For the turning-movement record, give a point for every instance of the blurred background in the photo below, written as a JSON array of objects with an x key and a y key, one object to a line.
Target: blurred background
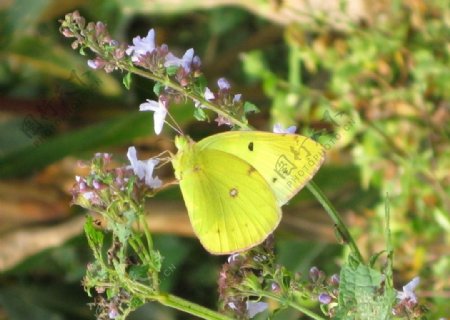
[{"x": 371, "y": 79}]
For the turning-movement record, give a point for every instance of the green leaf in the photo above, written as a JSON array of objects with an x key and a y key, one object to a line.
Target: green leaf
[
  {"x": 172, "y": 70},
  {"x": 127, "y": 80},
  {"x": 157, "y": 88},
  {"x": 373, "y": 259},
  {"x": 95, "y": 237},
  {"x": 250, "y": 107},
  {"x": 362, "y": 296},
  {"x": 200, "y": 114},
  {"x": 138, "y": 272}
]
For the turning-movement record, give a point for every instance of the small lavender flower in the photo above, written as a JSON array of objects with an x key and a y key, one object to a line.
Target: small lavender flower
[
  {"x": 408, "y": 295},
  {"x": 278, "y": 128},
  {"x": 144, "y": 169},
  {"x": 141, "y": 46},
  {"x": 223, "y": 84},
  {"x": 160, "y": 112},
  {"x": 185, "y": 61}
]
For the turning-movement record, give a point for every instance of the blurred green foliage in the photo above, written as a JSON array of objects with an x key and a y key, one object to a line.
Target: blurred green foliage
[{"x": 376, "y": 94}]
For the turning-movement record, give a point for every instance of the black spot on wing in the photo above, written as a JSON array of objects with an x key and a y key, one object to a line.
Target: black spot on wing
[
  {"x": 250, "y": 146},
  {"x": 274, "y": 179}
]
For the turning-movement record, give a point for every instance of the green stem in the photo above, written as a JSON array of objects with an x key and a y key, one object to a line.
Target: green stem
[
  {"x": 189, "y": 307},
  {"x": 289, "y": 302},
  {"x": 334, "y": 215},
  {"x": 172, "y": 301}
]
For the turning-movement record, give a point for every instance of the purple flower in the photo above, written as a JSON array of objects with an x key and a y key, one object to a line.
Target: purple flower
[
  {"x": 160, "y": 112},
  {"x": 142, "y": 46},
  {"x": 278, "y": 128},
  {"x": 184, "y": 62},
  {"x": 408, "y": 295},
  {"x": 144, "y": 169}
]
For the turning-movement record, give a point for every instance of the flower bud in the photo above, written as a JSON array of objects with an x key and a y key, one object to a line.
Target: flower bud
[
  {"x": 314, "y": 274},
  {"x": 324, "y": 298},
  {"x": 334, "y": 280}
]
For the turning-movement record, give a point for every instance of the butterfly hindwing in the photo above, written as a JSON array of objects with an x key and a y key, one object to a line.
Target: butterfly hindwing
[
  {"x": 286, "y": 161},
  {"x": 230, "y": 205}
]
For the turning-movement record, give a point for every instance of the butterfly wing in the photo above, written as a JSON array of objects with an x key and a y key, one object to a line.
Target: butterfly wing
[
  {"x": 230, "y": 205},
  {"x": 286, "y": 161}
]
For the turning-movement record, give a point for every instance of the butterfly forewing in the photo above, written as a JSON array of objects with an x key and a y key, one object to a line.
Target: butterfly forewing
[{"x": 286, "y": 161}]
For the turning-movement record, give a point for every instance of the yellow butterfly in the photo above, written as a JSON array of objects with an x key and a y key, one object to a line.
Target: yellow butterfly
[{"x": 234, "y": 183}]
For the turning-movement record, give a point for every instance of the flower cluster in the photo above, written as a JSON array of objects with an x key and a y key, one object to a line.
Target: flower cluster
[
  {"x": 242, "y": 277},
  {"x": 110, "y": 54},
  {"x": 177, "y": 78},
  {"x": 104, "y": 186},
  {"x": 118, "y": 194},
  {"x": 325, "y": 289},
  {"x": 247, "y": 276}
]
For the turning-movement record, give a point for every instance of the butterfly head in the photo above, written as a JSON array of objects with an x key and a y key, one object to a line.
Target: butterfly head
[{"x": 184, "y": 157}]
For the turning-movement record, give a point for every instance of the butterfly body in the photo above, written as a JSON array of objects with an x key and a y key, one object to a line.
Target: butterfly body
[{"x": 234, "y": 183}]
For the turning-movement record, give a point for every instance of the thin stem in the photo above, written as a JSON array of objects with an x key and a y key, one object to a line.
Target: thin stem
[
  {"x": 289, "y": 302},
  {"x": 334, "y": 215},
  {"x": 189, "y": 307},
  {"x": 172, "y": 301}
]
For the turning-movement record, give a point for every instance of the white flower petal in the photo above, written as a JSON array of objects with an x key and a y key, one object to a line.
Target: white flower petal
[
  {"x": 208, "y": 95},
  {"x": 172, "y": 60},
  {"x": 160, "y": 113},
  {"x": 408, "y": 291},
  {"x": 141, "y": 46},
  {"x": 144, "y": 169},
  {"x": 278, "y": 128},
  {"x": 185, "y": 61},
  {"x": 158, "y": 118},
  {"x": 232, "y": 305},
  {"x": 150, "y": 105},
  {"x": 253, "y": 308},
  {"x": 237, "y": 97},
  {"x": 92, "y": 64},
  {"x": 136, "y": 164}
]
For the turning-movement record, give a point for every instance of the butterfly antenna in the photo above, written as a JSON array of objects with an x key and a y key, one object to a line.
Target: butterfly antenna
[
  {"x": 175, "y": 125},
  {"x": 164, "y": 157}
]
